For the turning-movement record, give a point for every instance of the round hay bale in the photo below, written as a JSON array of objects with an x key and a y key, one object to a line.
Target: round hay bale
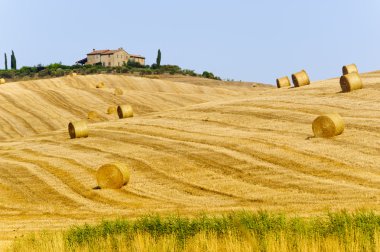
[
  {"x": 100, "y": 85},
  {"x": 300, "y": 79},
  {"x": 350, "y": 82},
  {"x": 283, "y": 82},
  {"x": 78, "y": 129},
  {"x": 352, "y": 68},
  {"x": 119, "y": 91},
  {"x": 124, "y": 111},
  {"x": 113, "y": 176},
  {"x": 112, "y": 110},
  {"x": 328, "y": 125},
  {"x": 92, "y": 115},
  {"x": 73, "y": 74},
  {"x": 2, "y": 81}
]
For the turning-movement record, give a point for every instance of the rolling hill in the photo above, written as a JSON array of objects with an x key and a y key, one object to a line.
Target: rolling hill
[{"x": 191, "y": 147}]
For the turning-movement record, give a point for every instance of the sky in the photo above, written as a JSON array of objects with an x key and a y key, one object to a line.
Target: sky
[{"x": 247, "y": 40}]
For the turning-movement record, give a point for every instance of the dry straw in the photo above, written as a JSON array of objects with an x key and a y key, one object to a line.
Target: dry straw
[
  {"x": 100, "y": 85},
  {"x": 112, "y": 110},
  {"x": 152, "y": 76},
  {"x": 350, "y": 82},
  {"x": 328, "y": 125},
  {"x": 119, "y": 91},
  {"x": 73, "y": 74},
  {"x": 78, "y": 129},
  {"x": 92, "y": 115},
  {"x": 124, "y": 111},
  {"x": 300, "y": 79},
  {"x": 283, "y": 82},
  {"x": 350, "y": 69},
  {"x": 113, "y": 176},
  {"x": 2, "y": 81}
]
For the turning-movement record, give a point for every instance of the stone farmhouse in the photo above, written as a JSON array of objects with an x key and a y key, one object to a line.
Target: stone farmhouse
[{"x": 110, "y": 58}]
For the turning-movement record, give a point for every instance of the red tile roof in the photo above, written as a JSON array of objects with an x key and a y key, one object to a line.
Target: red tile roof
[
  {"x": 107, "y": 52},
  {"x": 97, "y": 52},
  {"x": 102, "y": 52},
  {"x": 136, "y": 56}
]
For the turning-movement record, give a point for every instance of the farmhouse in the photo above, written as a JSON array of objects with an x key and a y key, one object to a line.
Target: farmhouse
[{"x": 111, "y": 58}]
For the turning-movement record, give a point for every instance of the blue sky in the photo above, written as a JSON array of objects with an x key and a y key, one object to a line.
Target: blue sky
[{"x": 241, "y": 39}]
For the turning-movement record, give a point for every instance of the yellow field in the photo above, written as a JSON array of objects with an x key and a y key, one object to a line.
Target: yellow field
[{"x": 190, "y": 147}]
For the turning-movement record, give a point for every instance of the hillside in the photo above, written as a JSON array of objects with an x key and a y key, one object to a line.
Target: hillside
[
  {"x": 33, "y": 107},
  {"x": 191, "y": 148}
]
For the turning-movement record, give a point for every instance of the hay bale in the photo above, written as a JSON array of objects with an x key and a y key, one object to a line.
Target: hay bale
[
  {"x": 112, "y": 110},
  {"x": 283, "y": 82},
  {"x": 92, "y": 115},
  {"x": 328, "y": 125},
  {"x": 78, "y": 129},
  {"x": 350, "y": 82},
  {"x": 124, "y": 111},
  {"x": 113, "y": 176},
  {"x": 2, "y": 81},
  {"x": 300, "y": 79},
  {"x": 73, "y": 74},
  {"x": 100, "y": 85},
  {"x": 352, "y": 68},
  {"x": 118, "y": 91}
]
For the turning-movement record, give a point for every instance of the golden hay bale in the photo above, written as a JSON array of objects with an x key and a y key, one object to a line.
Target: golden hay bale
[
  {"x": 351, "y": 82},
  {"x": 113, "y": 176},
  {"x": 112, "y": 110},
  {"x": 92, "y": 115},
  {"x": 119, "y": 91},
  {"x": 73, "y": 74},
  {"x": 100, "y": 85},
  {"x": 283, "y": 82},
  {"x": 350, "y": 69},
  {"x": 78, "y": 129},
  {"x": 300, "y": 79},
  {"x": 328, "y": 125},
  {"x": 124, "y": 111},
  {"x": 2, "y": 81}
]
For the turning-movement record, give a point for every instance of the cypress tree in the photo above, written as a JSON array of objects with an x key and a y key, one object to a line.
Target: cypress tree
[
  {"x": 5, "y": 61},
  {"x": 13, "y": 61},
  {"x": 158, "y": 60}
]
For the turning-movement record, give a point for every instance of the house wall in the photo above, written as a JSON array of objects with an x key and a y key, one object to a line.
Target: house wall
[
  {"x": 92, "y": 59},
  {"x": 139, "y": 60}
]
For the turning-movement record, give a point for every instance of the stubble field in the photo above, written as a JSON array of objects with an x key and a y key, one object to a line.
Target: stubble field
[{"x": 191, "y": 148}]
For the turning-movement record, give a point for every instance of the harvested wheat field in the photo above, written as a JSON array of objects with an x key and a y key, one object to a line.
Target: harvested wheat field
[{"x": 190, "y": 148}]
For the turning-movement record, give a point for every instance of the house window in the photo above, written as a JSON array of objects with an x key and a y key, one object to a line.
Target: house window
[
  {"x": 104, "y": 63},
  {"x": 109, "y": 55},
  {"x": 109, "y": 63},
  {"x": 118, "y": 63}
]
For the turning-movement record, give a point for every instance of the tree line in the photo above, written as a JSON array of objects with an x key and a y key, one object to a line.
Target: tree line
[{"x": 58, "y": 69}]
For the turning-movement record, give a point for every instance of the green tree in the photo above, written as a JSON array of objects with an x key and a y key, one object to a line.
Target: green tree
[
  {"x": 13, "y": 61},
  {"x": 5, "y": 61},
  {"x": 158, "y": 60}
]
